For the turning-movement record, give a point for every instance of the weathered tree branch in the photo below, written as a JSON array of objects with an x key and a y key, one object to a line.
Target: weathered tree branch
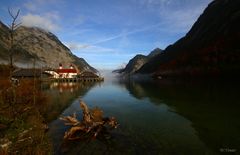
[{"x": 92, "y": 123}]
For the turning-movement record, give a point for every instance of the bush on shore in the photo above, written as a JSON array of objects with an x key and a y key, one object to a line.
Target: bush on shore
[{"x": 22, "y": 125}]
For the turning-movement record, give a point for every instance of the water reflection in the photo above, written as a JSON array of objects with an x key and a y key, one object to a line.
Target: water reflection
[
  {"x": 62, "y": 94},
  {"x": 211, "y": 106},
  {"x": 65, "y": 86},
  {"x": 168, "y": 117}
]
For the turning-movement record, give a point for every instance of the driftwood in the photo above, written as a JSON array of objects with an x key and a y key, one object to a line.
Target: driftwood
[{"x": 91, "y": 124}]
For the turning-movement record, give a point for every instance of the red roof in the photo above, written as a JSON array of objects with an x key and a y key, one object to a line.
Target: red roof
[{"x": 66, "y": 71}]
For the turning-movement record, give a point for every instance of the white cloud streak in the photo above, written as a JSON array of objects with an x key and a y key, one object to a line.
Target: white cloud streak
[
  {"x": 127, "y": 33},
  {"x": 46, "y": 21},
  {"x": 172, "y": 21},
  {"x": 155, "y": 2},
  {"x": 39, "y": 14},
  {"x": 77, "y": 46},
  {"x": 93, "y": 49}
]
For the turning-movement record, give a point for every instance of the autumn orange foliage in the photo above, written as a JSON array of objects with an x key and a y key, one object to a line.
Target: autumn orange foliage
[{"x": 21, "y": 117}]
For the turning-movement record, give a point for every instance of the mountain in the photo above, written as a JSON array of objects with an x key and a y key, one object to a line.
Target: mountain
[
  {"x": 35, "y": 45},
  {"x": 211, "y": 47},
  {"x": 137, "y": 62},
  {"x": 155, "y": 52}
]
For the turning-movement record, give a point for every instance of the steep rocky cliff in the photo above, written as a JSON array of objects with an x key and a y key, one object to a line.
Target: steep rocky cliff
[{"x": 35, "y": 45}]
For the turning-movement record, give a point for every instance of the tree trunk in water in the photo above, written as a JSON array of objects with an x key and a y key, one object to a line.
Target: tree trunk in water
[{"x": 92, "y": 123}]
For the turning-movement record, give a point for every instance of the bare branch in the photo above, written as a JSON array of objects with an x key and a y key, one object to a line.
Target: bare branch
[
  {"x": 17, "y": 13},
  {"x": 17, "y": 25},
  {"x": 10, "y": 13},
  {"x": 14, "y": 18},
  {"x": 12, "y": 27}
]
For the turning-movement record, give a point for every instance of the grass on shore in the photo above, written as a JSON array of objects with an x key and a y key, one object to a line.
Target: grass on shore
[{"x": 22, "y": 125}]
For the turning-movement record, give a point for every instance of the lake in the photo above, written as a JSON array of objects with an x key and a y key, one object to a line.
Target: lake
[{"x": 155, "y": 117}]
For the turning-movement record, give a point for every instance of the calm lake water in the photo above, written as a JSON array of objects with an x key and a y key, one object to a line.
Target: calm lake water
[{"x": 166, "y": 117}]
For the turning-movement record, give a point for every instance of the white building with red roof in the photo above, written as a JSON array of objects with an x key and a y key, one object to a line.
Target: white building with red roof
[
  {"x": 66, "y": 72},
  {"x": 61, "y": 72}
]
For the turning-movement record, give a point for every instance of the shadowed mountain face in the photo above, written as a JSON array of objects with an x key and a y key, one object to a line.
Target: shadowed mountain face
[
  {"x": 35, "y": 44},
  {"x": 137, "y": 62},
  {"x": 211, "y": 47}
]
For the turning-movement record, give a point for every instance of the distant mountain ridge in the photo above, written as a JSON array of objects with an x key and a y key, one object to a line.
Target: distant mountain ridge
[
  {"x": 137, "y": 62},
  {"x": 40, "y": 47},
  {"x": 211, "y": 47}
]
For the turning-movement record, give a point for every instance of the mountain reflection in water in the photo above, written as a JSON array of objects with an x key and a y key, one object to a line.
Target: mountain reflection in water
[
  {"x": 168, "y": 117},
  {"x": 62, "y": 94},
  {"x": 212, "y": 107}
]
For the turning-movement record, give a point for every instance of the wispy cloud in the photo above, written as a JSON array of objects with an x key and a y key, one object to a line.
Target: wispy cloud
[
  {"x": 46, "y": 21},
  {"x": 40, "y": 14},
  {"x": 97, "y": 55},
  {"x": 177, "y": 16},
  {"x": 113, "y": 30},
  {"x": 154, "y": 2},
  {"x": 181, "y": 20},
  {"x": 172, "y": 21},
  {"x": 30, "y": 6},
  {"x": 124, "y": 34},
  {"x": 113, "y": 61},
  {"x": 93, "y": 49},
  {"x": 77, "y": 46},
  {"x": 38, "y": 5}
]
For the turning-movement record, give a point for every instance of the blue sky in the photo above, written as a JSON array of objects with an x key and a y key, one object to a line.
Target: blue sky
[{"x": 107, "y": 33}]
